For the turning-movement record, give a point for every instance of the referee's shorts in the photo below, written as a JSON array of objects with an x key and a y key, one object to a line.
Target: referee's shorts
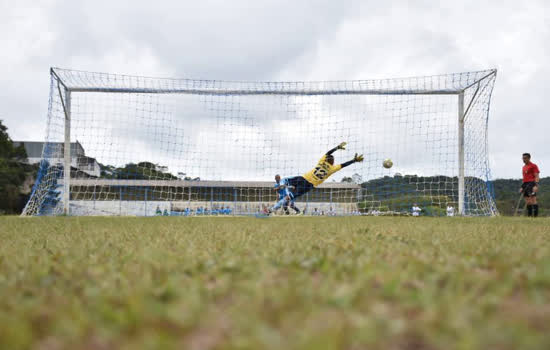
[{"x": 528, "y": 189}]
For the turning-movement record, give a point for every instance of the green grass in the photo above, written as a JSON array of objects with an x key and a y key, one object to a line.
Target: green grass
[{"x": 278, "y": 283}]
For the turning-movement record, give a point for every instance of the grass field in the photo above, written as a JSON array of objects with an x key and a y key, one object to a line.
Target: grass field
[{"x": 277, "y": 283}]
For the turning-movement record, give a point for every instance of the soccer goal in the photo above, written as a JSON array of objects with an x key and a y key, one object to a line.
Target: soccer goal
[{"x": 131, "y": 145}]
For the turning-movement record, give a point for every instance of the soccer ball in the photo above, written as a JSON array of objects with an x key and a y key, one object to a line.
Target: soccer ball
[{"x": 387, "y": 163}]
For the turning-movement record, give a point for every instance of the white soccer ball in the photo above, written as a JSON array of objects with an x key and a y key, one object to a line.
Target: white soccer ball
[{"x": 387, "y": 163}]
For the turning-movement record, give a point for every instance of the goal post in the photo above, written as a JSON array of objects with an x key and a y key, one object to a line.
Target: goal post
[
  {"x": 131, "y": 145},
  {"x": 460, "y": 153}
]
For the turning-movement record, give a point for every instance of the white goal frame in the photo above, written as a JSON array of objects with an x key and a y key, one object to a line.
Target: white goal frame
[{"x": 66, "y": 91}]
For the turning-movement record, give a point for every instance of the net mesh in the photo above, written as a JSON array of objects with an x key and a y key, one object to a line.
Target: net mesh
[{"x": 149, "y": 146}]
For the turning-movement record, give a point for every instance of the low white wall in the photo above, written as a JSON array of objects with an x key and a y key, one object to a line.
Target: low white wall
[
  {"x": 149, "y": 208},
  {"x": 118, "y": 208}
]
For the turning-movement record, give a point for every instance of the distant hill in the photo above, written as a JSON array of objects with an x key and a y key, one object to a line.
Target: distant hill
[
  {"x": 506, "y": 195},
  {"x": 396, "y": 193}
]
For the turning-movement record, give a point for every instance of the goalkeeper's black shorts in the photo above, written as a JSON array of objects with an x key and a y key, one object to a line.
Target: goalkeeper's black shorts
[
  {"x": 528, "y": 189},
  {"x": 301, "y": 186}
]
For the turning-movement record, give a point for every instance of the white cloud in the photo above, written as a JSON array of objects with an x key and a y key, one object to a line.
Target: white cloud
[{"x": 286, "y": 40}]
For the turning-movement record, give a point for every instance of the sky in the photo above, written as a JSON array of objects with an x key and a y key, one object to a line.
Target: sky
[{"x": 287, "y": 40}]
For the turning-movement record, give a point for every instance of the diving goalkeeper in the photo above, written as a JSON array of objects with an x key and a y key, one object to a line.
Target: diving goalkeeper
[{"x": 316, "y": 176}]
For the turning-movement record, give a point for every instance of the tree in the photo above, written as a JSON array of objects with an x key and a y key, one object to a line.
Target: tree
[
  {"x": 7, "y": 149},
  {"x": 13, "y": 173},
  {"x": 131, "y": 171},
  {"x": 146, "y": 165}
]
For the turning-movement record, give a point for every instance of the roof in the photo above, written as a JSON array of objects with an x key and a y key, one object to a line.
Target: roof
[
  {"x": 34, "y": 148},
  {"x": 187, "y": 183},
  {"x": 83, "y": 160}
]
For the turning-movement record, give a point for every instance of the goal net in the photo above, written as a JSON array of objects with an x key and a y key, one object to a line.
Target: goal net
[{"x": 130, "y": 145}]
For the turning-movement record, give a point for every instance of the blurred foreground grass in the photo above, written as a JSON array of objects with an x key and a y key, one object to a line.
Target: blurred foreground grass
[{"x": 277, "y": 283}]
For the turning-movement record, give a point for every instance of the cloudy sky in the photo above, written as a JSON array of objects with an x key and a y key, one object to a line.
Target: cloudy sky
[{"x": 287, "y": 40}]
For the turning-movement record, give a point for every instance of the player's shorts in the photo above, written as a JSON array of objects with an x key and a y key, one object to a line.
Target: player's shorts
[
  {"x": 528, "y": 189},
  {"x": 301, "y": 186}
]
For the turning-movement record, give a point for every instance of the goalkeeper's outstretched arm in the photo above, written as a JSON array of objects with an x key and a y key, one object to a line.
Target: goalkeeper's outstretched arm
[
  {"x": 340, "y": 146},
  {"x": 357, "y": 158}
]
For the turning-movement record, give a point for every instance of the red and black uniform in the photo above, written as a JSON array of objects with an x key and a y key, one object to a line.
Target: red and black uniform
[{"x": 530, "y": 172}]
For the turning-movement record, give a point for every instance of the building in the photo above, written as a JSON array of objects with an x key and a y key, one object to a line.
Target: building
[
  {"x": 144, "y": 197},
  {"x": 54, "y": 153}
]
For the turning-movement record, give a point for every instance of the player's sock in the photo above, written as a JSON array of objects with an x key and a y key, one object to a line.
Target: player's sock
[
  {"x": 293, "y": 206},
  {"x": 535, "y": 210},
  {"x": 529, "y": 210}
]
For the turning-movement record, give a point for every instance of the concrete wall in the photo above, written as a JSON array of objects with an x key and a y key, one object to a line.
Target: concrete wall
[
  {"x": 117, "y": 208},
  {"x": 149, "y": 208}
]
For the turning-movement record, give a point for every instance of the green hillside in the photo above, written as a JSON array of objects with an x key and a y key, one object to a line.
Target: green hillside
[
  {"x": 506, "y": 195},
  {"x": 433, "y": 193}
]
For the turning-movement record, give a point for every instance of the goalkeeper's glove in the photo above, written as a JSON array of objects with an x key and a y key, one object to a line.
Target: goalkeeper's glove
[
  {"x": 358, "y": 158},
  {"x": 342, "y": 145}
]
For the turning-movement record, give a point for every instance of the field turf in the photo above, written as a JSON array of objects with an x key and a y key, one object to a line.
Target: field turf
[{"x": 277, "y": 283}]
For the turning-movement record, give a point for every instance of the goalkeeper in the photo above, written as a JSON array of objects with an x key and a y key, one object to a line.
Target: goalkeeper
[{"x": 301, "y": 185}]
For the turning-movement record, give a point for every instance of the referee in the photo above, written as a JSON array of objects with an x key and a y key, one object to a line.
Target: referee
[{"x": 530, "y": 185}]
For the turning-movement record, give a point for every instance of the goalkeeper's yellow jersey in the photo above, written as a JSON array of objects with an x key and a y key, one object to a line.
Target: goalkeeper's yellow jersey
[{"x": 321, "y": 172}]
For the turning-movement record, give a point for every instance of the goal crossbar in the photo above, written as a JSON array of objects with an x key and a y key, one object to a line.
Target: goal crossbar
[
  {"x": 265, "y": 92},
  {"x": 313, "y": 88}
]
